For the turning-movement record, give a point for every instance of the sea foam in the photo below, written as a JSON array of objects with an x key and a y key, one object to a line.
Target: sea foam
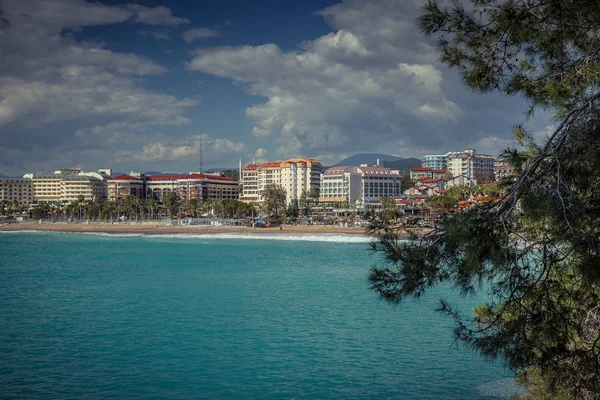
[{"x": 302, "y": 237}]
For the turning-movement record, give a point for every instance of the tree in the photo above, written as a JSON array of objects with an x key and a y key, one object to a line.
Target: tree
[
  {"x": 406, "y": 182},
  {"x": 537, "y": 248},
  {"x": 447, "y": 176},
  {"x": 274, "y": 198},
  {"x": 314, "y": 193},
  {"x": 442, "y": 203},
  {"x": 172, "y": 202},
  {"x": 483, "y": 177}
]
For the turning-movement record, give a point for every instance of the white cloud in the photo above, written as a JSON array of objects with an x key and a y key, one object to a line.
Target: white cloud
[
  {"x": 69, "y": 95},
  {"x": 155, "y": 15},
  {"x": 199, "y": 33},
  {"x": 372, "y": 80},
  {"x": 342, "y": 91},
  {"x": 184, "y": 149}
]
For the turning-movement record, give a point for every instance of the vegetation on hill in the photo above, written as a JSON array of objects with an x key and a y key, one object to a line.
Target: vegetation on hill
[{"x": 536, "y": 251}]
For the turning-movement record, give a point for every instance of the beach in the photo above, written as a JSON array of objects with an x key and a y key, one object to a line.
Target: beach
[{"x": 161, "y": 228}]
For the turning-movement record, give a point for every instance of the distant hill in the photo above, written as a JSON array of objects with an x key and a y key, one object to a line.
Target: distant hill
[
  {"x": 157, "y": 173},
  {"x": 366, "y": 158},
  {"x": 403, "y": 164}
]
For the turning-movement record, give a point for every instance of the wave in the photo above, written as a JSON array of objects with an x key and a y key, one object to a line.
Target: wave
[{"x": 301, "y": 237}]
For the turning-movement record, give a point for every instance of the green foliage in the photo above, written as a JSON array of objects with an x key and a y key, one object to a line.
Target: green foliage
[
  {"x": 536, "y": 250},
  {"x": 274, "y": 198},
  {"x": 172, "y": 202},
  {"x": 442, "y": 203}
]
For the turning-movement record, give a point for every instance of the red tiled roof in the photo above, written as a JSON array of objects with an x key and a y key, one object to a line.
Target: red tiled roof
[
  {"x": 203, "y": 176},
  {"x": 429, "y": 180},
  {"x": 154, "y": 178},
  {"x": 421, "y": 169},
  {"x": 125, "y": 178},
  {"x": 251, "y": 166},
  {"x": 165, "y": 177},
  {"x": 271, "y": 164},
  {"x": 440, "y": 171}
]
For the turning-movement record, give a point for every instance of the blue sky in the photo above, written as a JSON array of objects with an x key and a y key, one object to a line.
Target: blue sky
[{"x": 134, "y": 86}]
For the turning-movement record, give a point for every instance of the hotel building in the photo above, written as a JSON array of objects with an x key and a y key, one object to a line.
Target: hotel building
[
  {"x": 192, "y": 186},
  {"x": 466, "y": 163},
  {"x": 472, "y": 165},
  {"x": 367, "y": 184},
  {"x": 296, "y": 176},
  {"x": 125, "y": 185},
  {"x": 68, "y": 184},
  {"x": 434, "y": 161},
  {"x": 16, "y": 189}
]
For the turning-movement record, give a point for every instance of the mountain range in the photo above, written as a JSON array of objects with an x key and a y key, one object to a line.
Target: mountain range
[{"x": 391, "y": 162}]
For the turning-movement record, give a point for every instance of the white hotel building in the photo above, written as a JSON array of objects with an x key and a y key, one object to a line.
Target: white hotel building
[
  {"x": 467, "y": 163},
  {"x": 366, "y": 184},
  {"x": 296, "y": 175}
]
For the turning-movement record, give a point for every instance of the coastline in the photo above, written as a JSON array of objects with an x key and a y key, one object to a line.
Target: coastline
[{"x": 150, "y": 229}]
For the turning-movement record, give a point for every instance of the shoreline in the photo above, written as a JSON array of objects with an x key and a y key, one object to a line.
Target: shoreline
[{"x": 153, "y": 229}]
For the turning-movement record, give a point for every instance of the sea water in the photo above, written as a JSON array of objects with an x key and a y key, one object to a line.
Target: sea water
[{"x": 221, "y": 317}]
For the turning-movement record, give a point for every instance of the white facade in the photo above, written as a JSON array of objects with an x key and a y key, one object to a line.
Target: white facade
[
  {"x": 366, "y": 184},
  {"x": 471, "y": 165},
  {"x": 68, "y": 184}
]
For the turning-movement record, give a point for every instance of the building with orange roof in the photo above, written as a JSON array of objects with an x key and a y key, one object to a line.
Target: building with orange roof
[{"x": 296, "y": 175}]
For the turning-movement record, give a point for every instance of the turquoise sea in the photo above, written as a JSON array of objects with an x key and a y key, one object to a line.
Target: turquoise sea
[{"x": 220, "y": 317}]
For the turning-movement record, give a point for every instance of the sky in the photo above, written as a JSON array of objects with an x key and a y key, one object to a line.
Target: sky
[{"x": 137, "y": 86}]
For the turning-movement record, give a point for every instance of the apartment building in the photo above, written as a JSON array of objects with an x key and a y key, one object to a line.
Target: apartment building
[
  {"x": 503, "y": 169},
  {"x": 434, "y": 161},
  {"x": 426, "y": 173},
  {"x": 295, "y": 175},
  {"x": 16, "y": 189},
  {"x": 472, "y": 165}
]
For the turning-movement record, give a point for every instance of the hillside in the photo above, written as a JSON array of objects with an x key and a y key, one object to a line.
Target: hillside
[
  {"x": 366, "y": 158},
  {"x": 392, "y": 162},
  {"x": 403, "y": 164}
]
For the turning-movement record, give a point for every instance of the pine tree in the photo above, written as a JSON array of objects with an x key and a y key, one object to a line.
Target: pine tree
[{"x": 537, "y": 249}]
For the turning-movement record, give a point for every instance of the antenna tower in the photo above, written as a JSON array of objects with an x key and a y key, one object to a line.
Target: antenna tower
[{"x": 201, "y": 151}]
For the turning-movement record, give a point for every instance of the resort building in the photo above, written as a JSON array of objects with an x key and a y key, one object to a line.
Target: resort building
[
  {"x": 434, "y": 161},
  {"x": 125, "y": 185},
  {"x": 297, "y": 176},
  {"x": 340, "y": 184},
  {"x": 191, "y": 186},
  {"x": 472, "y": 165},
  {"x": 16, "y": 189},
  {"x": 68, "y": 184},
  {"x": 75, "y": 186},
  {"x": 503, "y": 169},
  {"x": 425, "y": 172},
  {"x": 366, "y": 184}
]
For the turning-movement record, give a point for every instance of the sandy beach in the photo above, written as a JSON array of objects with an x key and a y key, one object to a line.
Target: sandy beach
[{"x": 158, "y": 228}]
